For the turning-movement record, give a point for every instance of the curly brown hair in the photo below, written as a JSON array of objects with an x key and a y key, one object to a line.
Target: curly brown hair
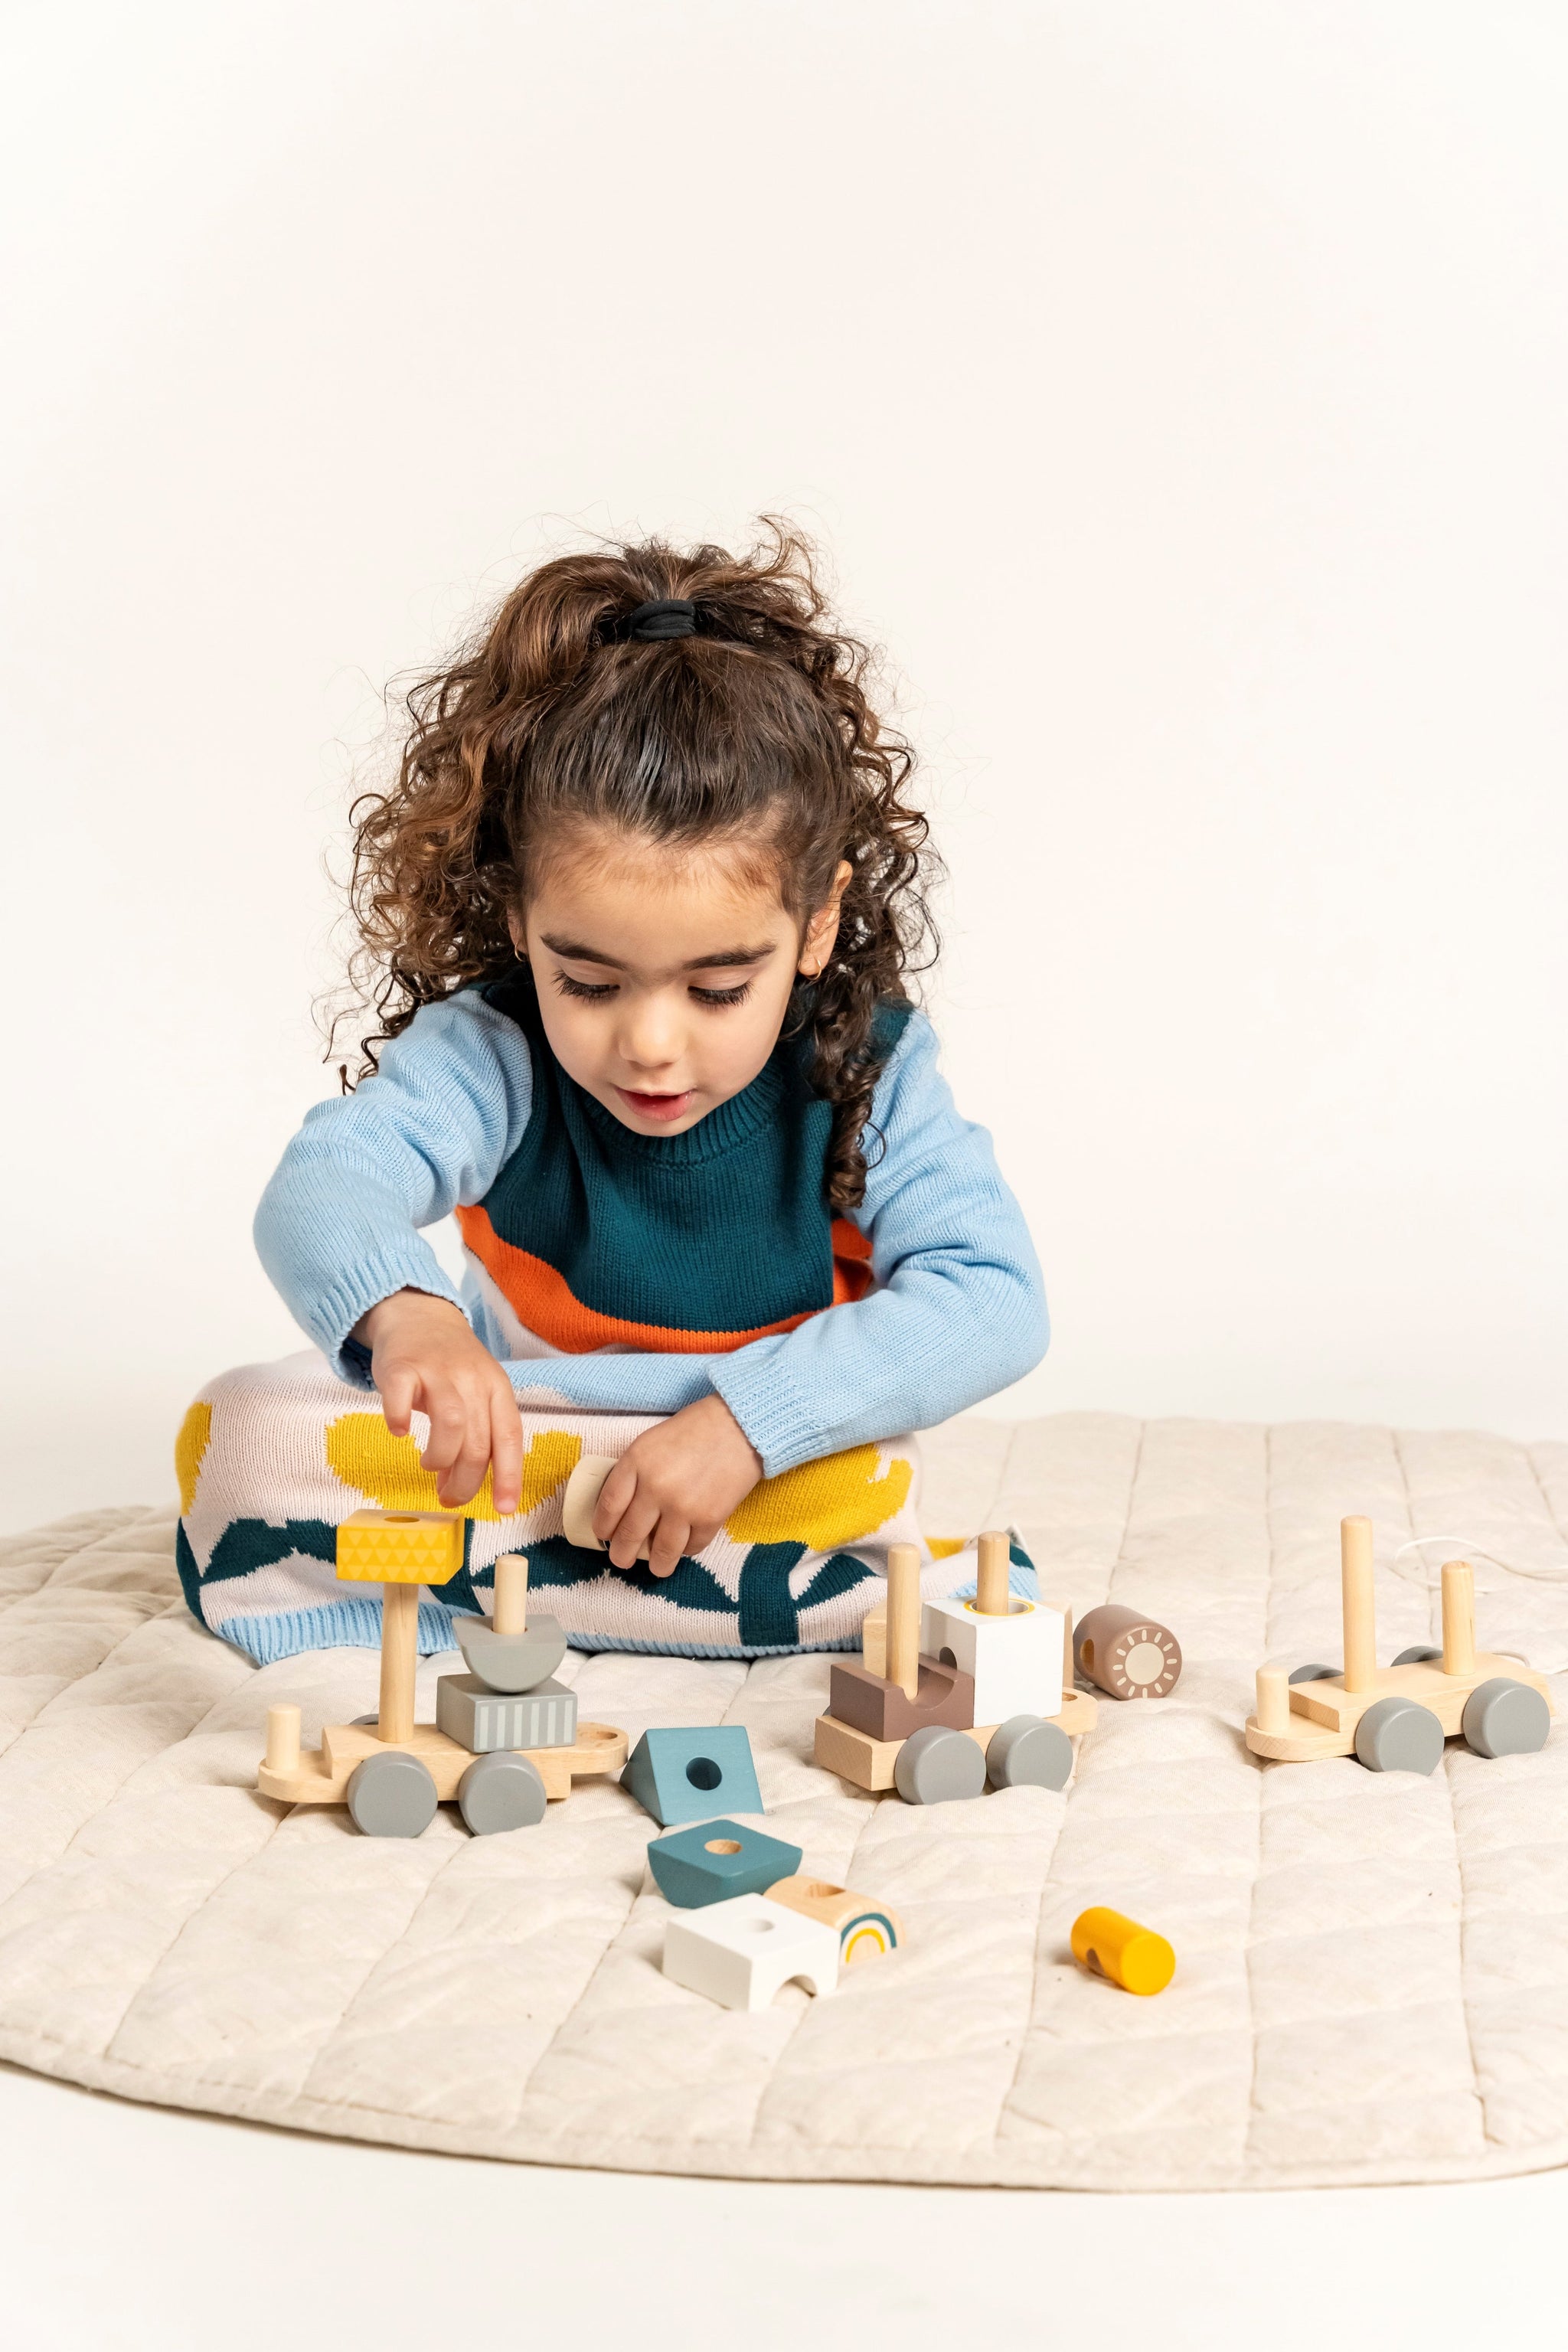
[{"x": 756, "y": 727}]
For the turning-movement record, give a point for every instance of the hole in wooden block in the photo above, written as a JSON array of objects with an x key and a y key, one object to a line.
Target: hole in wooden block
[
  {"x": 757, "y": 1926},
  {"x": 703, "y": 1773},
  {"x": 722, "y": 1845},
  {"x": 1089, "y": 1658},
  {"x": 817, "y": 1890},
  {"x": 400, "y": 1518},
  {"x": 945, "y": 1658}
]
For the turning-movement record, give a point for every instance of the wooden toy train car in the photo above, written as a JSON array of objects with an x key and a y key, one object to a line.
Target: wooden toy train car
[
  {"x": 506, "y": 1740},
  {"x": 1395, "y": 1718},
  {"x": 957, "y": 1694}
]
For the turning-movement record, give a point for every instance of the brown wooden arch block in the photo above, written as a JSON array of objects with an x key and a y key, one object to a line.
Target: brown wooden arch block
[{"x": 883, "y": 1710}]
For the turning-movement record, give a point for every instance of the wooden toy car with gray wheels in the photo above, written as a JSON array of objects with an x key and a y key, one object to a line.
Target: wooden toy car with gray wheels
[
  {"x": 1397, "y": 1718},
  {"x": 506, "y": 1740},
  {"x": 952, "y": 1696}
]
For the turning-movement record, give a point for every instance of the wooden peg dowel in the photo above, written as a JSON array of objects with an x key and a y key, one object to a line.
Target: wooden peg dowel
[
  {"x": 903, "y": 1636},
  {"x": 1458, "y": 1618},
  {"x": 511, "y": 1593},
  {"x": 399, "y": 1652},
  {"x": 1273, "y": 1699},
  {"x": 992, "y": 1598},
  {"x": 1355, "y": 1583},
  {"x": 1068, "y": 1667},
  {"x": 283, "y": 1739}
]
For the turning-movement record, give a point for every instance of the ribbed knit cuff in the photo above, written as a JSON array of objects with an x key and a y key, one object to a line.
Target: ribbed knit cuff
[
  {"x": 363, "y": 1287},
  {"x": 772, "y": 1409},
  {"x": 342, "y": 1625}
]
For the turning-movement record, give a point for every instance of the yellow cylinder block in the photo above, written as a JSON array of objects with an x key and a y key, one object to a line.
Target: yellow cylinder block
[{"x": 1110, "y": 1945}]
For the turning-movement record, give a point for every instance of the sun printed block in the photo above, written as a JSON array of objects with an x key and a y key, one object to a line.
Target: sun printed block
[{"x": 401, "y": 1547}]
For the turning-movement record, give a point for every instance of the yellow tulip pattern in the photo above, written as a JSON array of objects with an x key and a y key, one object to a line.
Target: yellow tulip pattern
[
  {"x": 822, "y": 1504},
  {"x": 189, "y": 1447},
  {"x": 364, "y": 1454}
]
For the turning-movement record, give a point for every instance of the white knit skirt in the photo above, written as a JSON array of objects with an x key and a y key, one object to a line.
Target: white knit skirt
[{"x": 272, "y": 1457}]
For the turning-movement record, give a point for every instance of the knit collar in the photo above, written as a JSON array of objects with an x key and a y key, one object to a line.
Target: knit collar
[{"x": 723, "y": 1129}]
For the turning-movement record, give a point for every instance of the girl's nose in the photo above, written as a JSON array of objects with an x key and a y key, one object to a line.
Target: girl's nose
[{"x": 651, "y": 1037}]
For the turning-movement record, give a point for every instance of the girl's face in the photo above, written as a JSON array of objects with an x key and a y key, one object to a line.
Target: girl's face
[{"x": 664, "y": 972}]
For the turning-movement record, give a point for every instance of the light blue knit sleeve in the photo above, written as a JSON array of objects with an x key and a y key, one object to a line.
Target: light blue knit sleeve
[
  {"x": 959, "y": 1310},
  {"x": 338, "y": 1227}
]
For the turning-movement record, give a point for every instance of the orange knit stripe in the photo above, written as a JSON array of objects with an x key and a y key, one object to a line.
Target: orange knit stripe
[{"x": 544, "y": 1304}]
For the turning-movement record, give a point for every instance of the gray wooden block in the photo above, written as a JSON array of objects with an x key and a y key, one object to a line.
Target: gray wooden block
[
  {"x": 510, "y": 1662},
  {"x": 469, "y": 1712}
]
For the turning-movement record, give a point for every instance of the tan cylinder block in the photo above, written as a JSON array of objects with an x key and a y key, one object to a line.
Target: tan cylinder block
[
  {"x": 1458, "y": 1618},
  {"x": 283, "y": 1739},
  {"x": 1128, "y": 1655},
  {"x": 903, "y": 1633},
  {"x": 1355, "y": 1588},
  {"x": 511, "y": 1593},
  {"x": 399, "y": 1652},
  {"x": 1273, "y": 1700},
  {"x": 992, "y": 1598}
]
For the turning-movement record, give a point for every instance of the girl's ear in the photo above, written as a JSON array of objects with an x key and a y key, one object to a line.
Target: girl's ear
[
  {"x": 822, "y": 928},
  {"x": 515, "y": 924}
]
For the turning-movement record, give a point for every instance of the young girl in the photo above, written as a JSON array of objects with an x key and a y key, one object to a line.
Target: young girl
[{"x": 639, "y": 905}]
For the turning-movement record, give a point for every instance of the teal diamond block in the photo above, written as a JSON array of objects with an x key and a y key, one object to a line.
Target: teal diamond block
[
  {"x": 692, "y": 1867},
  {"x": 691, "y": 1776}
]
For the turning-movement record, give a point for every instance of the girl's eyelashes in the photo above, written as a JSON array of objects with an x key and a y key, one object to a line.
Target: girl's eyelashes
[{"x": 595, "y": 992}]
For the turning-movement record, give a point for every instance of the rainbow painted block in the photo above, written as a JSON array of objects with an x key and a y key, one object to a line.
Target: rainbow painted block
[
  {"x": 401, "y": 1547},
  {"x": 865, "y": 1929}
]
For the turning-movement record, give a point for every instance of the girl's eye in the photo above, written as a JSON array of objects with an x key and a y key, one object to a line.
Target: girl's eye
[
  {"x": 736, "y": 995},
  {"x": 592, "y": 994}
]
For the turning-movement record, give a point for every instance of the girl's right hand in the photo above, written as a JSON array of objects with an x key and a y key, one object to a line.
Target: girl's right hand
[{"x": 425, "y": 1359}]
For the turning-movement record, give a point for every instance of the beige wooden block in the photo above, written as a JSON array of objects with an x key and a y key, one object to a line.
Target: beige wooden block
[
  {"x": 869, "y": 1763},
  {"x": 401, "y": 1547},
  {"x": 322, "y": 1776}
]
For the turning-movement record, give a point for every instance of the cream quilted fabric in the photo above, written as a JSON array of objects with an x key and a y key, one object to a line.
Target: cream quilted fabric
[{"x": 1373, "y": 1972}]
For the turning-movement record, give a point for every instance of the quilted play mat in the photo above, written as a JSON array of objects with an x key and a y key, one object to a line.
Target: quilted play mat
[{"x": 1372, "y": 1978}]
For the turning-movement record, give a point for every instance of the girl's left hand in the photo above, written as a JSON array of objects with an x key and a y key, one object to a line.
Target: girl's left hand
[{"x": 675, "y": 1485}]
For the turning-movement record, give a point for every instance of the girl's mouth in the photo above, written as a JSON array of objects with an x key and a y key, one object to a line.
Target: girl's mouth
[{"x": 657, "y": 1106}]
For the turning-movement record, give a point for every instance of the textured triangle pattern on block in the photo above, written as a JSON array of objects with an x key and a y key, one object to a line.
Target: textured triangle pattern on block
[{"x": 401, "y": 1547}]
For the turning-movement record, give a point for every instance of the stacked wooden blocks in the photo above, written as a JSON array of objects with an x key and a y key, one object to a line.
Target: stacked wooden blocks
[
  {"x": 752, "y": 1923},
  {"x": 955, "y": 1693},
  {"x": 507, "y": 1740}
]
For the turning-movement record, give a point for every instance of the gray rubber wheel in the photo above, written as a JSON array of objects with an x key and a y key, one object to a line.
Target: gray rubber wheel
[
  {"x": 391, "y": 1795},
  {"x": 1397, "y": 1736},
  {"x": 936, "y": 1764},
  {"x": 1313, "y": 1675},
  {"x": 501, "y": 1792},
  {"x": 1026, "y": 1752},
  {"x": 1421, "y": 1655},
  {"x": 1503, "y": 1717}
]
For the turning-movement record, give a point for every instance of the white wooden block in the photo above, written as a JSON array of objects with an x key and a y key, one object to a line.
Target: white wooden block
[
  {"x": 739, "y": 1953},
  {"x": 1017, "y": 1660}
]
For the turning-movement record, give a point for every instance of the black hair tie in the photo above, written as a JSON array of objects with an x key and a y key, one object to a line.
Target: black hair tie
[{"x": 668, "y": 616}]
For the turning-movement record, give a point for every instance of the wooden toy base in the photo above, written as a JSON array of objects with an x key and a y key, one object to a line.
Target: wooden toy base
[
  {"x": 869, "y": 1763},
  {"x": 1324, "y": 1715},
  {"x": 323, "y": 1775}
]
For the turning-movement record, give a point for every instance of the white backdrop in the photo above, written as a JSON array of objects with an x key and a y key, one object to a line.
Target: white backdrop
[{"x": 1180, "y": 393}]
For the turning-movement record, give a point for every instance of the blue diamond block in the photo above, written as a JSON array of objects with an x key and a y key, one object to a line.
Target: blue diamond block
[
  {"x": 690, "y": 1775},
  {"x": 713, "y": 1860}
]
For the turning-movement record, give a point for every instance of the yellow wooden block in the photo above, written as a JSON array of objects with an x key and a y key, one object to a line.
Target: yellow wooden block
[{"x": 401, "y": 1547}]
